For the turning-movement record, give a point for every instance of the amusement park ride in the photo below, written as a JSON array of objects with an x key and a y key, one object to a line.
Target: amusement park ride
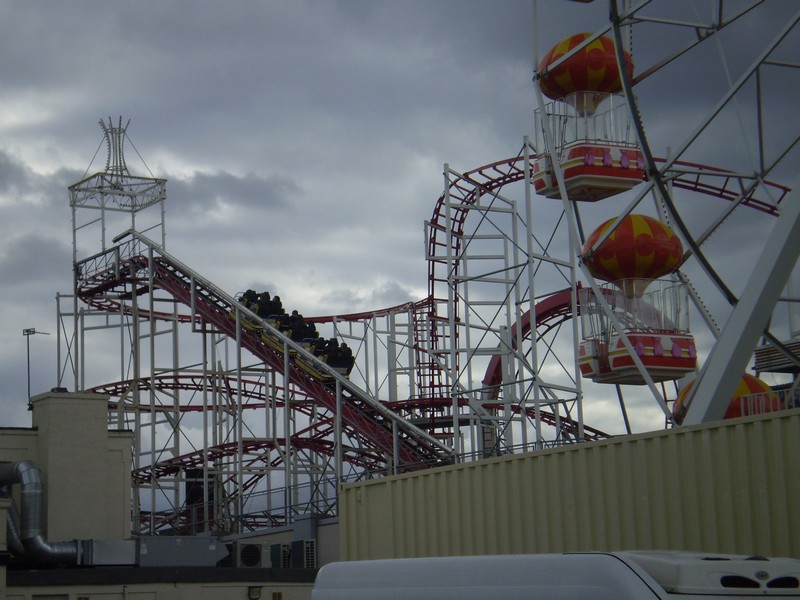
[{"x": 516, "y": 345}]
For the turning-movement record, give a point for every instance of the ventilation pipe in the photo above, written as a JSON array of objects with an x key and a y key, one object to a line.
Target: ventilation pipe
[{"x": 24, "y": 530}]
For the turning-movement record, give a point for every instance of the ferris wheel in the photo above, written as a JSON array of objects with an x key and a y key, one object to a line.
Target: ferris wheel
[{"x": 643, "y": 252}]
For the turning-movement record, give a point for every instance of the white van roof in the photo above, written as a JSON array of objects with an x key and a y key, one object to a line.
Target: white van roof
[
  {"x": 569, "y": 576},
  {"x": 511, "y": 577}
]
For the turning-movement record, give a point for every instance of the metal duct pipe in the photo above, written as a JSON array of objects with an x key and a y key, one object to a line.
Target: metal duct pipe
[{"x": 25, "y": 529}]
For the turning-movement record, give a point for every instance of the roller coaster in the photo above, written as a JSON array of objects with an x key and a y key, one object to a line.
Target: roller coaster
[{"x": 241, "y": 425}]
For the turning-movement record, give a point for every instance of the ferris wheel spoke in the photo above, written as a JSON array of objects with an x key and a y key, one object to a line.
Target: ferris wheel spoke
[{"x": 654, "y": 172}]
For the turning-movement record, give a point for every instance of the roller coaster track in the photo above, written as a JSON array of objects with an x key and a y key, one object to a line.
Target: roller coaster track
[
  {"x": 140, "y": 264},
  {"x": 453, "y": 206},
  {"x": 314, "y": 437},
  {"x": 250, "y": 390}
]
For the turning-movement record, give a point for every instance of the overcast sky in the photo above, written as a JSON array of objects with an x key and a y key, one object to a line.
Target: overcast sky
[{"x": 303, "y": 141}]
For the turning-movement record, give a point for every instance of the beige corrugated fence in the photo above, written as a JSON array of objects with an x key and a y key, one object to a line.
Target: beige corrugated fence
[{"x": 730, "y": 487}]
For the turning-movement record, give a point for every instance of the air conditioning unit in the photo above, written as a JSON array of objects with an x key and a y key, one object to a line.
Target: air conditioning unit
[
  {"x": 252, "y": 555},
  {"x": 279, "y": 555},
  {"x": 304, "y": 554}
]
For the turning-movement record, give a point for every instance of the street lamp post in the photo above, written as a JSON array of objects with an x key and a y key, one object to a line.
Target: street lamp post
[{"x": 28, "y": 333}]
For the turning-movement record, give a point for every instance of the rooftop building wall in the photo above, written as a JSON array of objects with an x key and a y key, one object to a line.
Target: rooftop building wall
[
  {"x": 85, "y": 467},
  {"x": 728, "y": 487}
]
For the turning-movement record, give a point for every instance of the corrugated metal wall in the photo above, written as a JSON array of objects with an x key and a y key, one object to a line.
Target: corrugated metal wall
[{"x": 728, "y": 488}]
